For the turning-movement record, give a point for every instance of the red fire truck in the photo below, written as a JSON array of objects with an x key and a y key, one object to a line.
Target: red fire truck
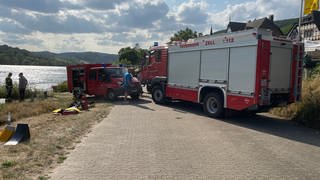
[
  {"x": 101, "y": 80},
  {"x": 244, "y": 70},
  {"x": 157, "y": 65}
]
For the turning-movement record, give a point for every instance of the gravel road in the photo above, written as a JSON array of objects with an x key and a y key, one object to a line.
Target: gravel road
[{"x": 142, "y": 140}]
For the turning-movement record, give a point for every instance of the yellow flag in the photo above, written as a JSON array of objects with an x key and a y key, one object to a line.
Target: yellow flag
[{"x": 310, "y": 5}]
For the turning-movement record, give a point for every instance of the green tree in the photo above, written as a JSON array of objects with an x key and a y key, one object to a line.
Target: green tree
[
  {"x": 128, "y": 53},
  {"x": 141, "y": 55},
  {"x": 131, "y": 56},
  {"x": 308, "y": 62},
  {"x": 184, "y": 35}
]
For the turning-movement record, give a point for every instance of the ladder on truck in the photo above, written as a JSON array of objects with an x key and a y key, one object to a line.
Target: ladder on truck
[{"x": 298, "y": 73}]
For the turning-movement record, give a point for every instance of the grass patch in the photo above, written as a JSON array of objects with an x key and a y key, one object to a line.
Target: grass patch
[
  {"x": 8, "y": 164},
  {"x": 61, "y": 159},
  {"x": 43, "y": 178},
  {"x": 62, "y": 87},
  {"x": 34, "y": 107},
  {"x": 30, "y": 93}
]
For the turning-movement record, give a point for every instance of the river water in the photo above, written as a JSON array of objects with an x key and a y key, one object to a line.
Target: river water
[{"x": 40, "y": 77}]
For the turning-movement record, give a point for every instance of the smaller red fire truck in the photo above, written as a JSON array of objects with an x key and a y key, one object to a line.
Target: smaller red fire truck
[{"x": 101, "y": 80}]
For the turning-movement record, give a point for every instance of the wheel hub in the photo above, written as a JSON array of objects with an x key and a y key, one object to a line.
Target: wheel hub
[
  {"x": 158, "y": 95},
  {"x": 212, "y": 105}
]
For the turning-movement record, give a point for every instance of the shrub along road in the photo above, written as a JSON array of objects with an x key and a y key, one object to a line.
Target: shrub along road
[{"x": 141, "y": 140}]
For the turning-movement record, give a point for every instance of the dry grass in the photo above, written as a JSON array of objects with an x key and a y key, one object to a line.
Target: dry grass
[
  {"x": 52, "y": 136},
  {"x": 308, "y": 110},
  {"x": 34, "y": 107}
]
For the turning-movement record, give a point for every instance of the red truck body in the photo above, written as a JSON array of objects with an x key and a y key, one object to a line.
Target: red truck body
[
  {"x": 100, "y": 80},
  {"x": 247, "y": 70}
]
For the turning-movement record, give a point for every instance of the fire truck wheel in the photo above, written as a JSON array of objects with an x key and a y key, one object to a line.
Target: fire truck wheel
[
  {"x": 111, "y": 96},
  {"x": 213, "y": 105},
  {"x": 149, "y": 88},
  {"x": 158, "y": 95}
]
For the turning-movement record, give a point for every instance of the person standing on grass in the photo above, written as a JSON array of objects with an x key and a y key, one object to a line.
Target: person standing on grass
[
  {"x": 22, "y": 86},
  {"x": 9, "y": 86}
]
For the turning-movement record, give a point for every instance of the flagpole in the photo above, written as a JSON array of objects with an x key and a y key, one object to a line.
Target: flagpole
[
  {"x": 299, "y": 41},
  {"x": 299, "y": 26}
]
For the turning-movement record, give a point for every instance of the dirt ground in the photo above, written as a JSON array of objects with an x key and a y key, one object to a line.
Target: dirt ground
[{"x": 52, "y": 138}]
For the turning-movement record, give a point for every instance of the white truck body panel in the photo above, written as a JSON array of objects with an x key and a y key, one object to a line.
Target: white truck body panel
[
  {"x": 280, "y": 63},
  {"x": 183, "y": 69},
  {"x": 242, "y": 69},
  {"x": 214, "y": 65}
]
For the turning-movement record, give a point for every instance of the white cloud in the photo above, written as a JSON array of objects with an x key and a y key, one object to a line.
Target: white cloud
[
  {"x": 34, "y": 5},
  {"x": 192, "y": 12},
  {"x": 20, "y": 40},
  {"x": 108, "y": 25},
  {"x": 256, "y": 9},
  {"x": 12, "y": 26}
]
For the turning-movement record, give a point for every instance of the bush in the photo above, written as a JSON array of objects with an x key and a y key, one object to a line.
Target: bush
[
  {"x": 15, "y": 92},
  {"x": 315, "y": 71},
  {"x": 307, "y": 111},
  {"x": 62, "y": 87}
]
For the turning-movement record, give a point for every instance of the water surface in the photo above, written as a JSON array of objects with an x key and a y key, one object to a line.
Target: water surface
[{"x": 40, "y": 77}]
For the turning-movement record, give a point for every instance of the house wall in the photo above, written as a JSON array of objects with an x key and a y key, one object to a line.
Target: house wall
[{"x": 310, "y": 32}]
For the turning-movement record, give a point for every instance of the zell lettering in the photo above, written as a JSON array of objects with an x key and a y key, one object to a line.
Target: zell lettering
[{"x": 209, "y": 42}]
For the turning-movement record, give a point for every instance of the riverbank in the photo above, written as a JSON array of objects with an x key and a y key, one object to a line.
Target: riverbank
[{"x": 52, "y": 136}]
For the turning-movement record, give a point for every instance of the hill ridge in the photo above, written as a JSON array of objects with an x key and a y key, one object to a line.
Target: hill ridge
[{"x": 16, "y": 56}]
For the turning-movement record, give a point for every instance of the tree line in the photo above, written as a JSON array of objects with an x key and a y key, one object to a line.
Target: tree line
[{"x": 136, "y": 56}]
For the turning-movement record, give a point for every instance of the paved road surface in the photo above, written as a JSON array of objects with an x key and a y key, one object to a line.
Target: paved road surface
[{"x": 147, "y": 141}]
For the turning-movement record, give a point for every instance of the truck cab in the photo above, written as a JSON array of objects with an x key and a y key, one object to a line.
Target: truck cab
[
  {"x": 101, "y": 80},
  {"x": 156, "y": 65}
]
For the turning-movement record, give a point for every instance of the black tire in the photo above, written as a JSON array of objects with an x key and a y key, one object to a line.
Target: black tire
[
  {"x": 135, "y": 96},
  {"x": 149, "y": 90},
  {"x": 158, "y": 95},
  {"x": 213, "y": 105},
  {"x": 111, "y": 96}
]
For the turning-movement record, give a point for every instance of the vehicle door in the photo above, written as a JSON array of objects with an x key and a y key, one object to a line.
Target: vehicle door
[
  {"x": 104, "y": 81},
  {"x": 92, "y": 82},
  {"x": 116, "y": 76}
]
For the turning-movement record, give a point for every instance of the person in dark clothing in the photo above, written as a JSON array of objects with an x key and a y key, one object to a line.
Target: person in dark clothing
[
  {"x": 22, "y": 86},
  {"x": 9, "y": 86}
]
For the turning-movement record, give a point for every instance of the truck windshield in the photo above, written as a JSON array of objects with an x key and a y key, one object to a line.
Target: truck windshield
[
  {"x": 116, "y": 72},
  {"x": 149, "y": 56},
  {"x": 106, "y": 74}
]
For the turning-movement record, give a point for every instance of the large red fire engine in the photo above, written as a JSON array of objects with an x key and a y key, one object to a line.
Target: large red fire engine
[
  {"x": 242, "y": 70},
  {"x": 101, "y": 80}
]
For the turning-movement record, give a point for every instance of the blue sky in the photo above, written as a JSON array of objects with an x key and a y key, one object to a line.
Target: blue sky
[{"x": 108, "y": 25}]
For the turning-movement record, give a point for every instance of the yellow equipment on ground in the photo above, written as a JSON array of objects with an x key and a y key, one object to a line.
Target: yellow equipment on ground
[{"x": 6, "y": 133}]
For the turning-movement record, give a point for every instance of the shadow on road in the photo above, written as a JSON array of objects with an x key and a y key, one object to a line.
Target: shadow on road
[
  {"x": 259, "y": 122},
  {"x": 140, "y": 103},
  {"x": 120, "y": 101}
]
